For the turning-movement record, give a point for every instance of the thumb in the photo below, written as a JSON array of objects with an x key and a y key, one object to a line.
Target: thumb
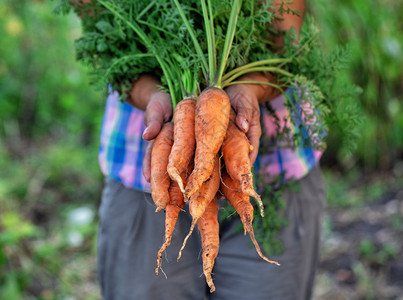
[
  {"x": 147, "y": 161},
  {"x": 243, "y": 117},
  {"x": 153, "y": 121},
  {"x": 242, "y": 105},
  {"x": 158, "y": 111}
]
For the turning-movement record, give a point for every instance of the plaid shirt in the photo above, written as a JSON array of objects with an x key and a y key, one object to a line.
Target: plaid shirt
[{"x": 122, "y": 147}]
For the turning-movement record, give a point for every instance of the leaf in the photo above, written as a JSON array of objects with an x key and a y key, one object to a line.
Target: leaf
[
  {"x": 104, "y": 26},
  {"x": 11, "y": 289},
  {"x": 102, "y": 46}
]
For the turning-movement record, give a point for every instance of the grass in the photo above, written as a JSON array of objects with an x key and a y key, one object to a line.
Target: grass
[{"x": 351, "y": 189}]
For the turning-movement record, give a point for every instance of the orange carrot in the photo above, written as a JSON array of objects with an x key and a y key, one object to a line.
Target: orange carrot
[
  {"x": 235, "y": 150},
  {"x": 231, "y": 190},
  {"x": 171, "y": 216},
  {"x": 200, "y": 200},
  {"x": 211, "y": 122},
  {"x": 172, "y": 212},
  {"x": 160, "y": 180},
  {"x": 209, "y": 231},
  {"x": 184, "y": 140}
]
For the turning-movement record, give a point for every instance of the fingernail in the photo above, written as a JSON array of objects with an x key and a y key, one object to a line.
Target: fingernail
[
  {"x": 245, "y": 125},
  {"x": 145, "y": 131}
]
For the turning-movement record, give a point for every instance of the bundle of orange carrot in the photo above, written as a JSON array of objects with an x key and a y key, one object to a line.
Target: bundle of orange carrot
[
  {"x": 203, "y": 156},
  {"x": 199, "y": 158}
]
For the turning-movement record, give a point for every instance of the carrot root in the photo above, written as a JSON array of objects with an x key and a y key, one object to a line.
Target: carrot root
[
  {"x": 160, "y": 180},
  {"x": 236, "y": 149},
  {"x": 187, "y": 237},
  {"x": 174, "y": 174},
  {"x": 247, "y": 188},
  {"x": 248, "y": 227},
  {"x": 209, "y": 231},
  {"x": 240, "y": 201},
  {"x": 168, "y": 233},
  {"x": 184, "y": 140},
  {"x": 171, "y": 216},
  {"x": 211, "y": 123}
]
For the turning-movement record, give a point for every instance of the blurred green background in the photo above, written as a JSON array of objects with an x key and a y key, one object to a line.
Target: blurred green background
[{"x": 50, "y": 183}]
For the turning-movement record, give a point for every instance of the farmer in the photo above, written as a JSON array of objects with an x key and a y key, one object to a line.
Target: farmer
[{"x": 131, "y": 233}]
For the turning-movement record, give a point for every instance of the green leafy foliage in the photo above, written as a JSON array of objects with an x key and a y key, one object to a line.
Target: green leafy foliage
[
  {"x": 122, "y": 39},
  {"x": 334, "y": 101},
  {"x": 373, "y": 31},
  {"x": 49, "y": 127},
  {"x": 120, "y": 46},
  {"x": 377, "y": 255},
  {"x": 267, "y": 228}
]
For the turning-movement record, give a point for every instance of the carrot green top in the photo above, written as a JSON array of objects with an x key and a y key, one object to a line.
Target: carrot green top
[{"x": 199, "y": 43}]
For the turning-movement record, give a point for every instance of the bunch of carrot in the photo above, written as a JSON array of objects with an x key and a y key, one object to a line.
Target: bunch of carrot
[
  {"x": 200, "y": 158},
  {"x": 197, "y": 44},
  {"x": 203, "y": 155}
]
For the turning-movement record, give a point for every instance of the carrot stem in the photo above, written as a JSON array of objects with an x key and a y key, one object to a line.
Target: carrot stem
[
  {"x": 210, "y": 35},
  {"x": 255, "y": 64},
  {"x": 258, "y": 69},
  {"x": 143, "y": 36},
  {"x": 233, "y": 19},
  {"x": 193, "y": 37},
  {"x": 225, "y": 84}
]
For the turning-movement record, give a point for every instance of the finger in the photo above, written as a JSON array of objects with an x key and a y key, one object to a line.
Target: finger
[
  {"x": 153, "y": 119},
  {"x": 244, "y": 118},
  {"x": 158, "y": 111},
  {"x": 152, "y": 130},
  {"x": 164, "y": 105},
  {"x": 236, "y": 97},
  {"x": 147, "y": 161}
]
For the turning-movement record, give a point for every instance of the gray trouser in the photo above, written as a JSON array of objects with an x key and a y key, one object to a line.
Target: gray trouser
[{"x": 131, "y": 234}]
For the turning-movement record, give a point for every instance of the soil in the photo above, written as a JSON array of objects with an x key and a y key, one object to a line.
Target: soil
[{"x": 361, "y": 254}]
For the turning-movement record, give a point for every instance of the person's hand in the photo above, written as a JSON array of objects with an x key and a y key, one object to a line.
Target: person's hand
[
  {"x": 246, "y": 105},
  {"x": 158, "y": 112}
]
